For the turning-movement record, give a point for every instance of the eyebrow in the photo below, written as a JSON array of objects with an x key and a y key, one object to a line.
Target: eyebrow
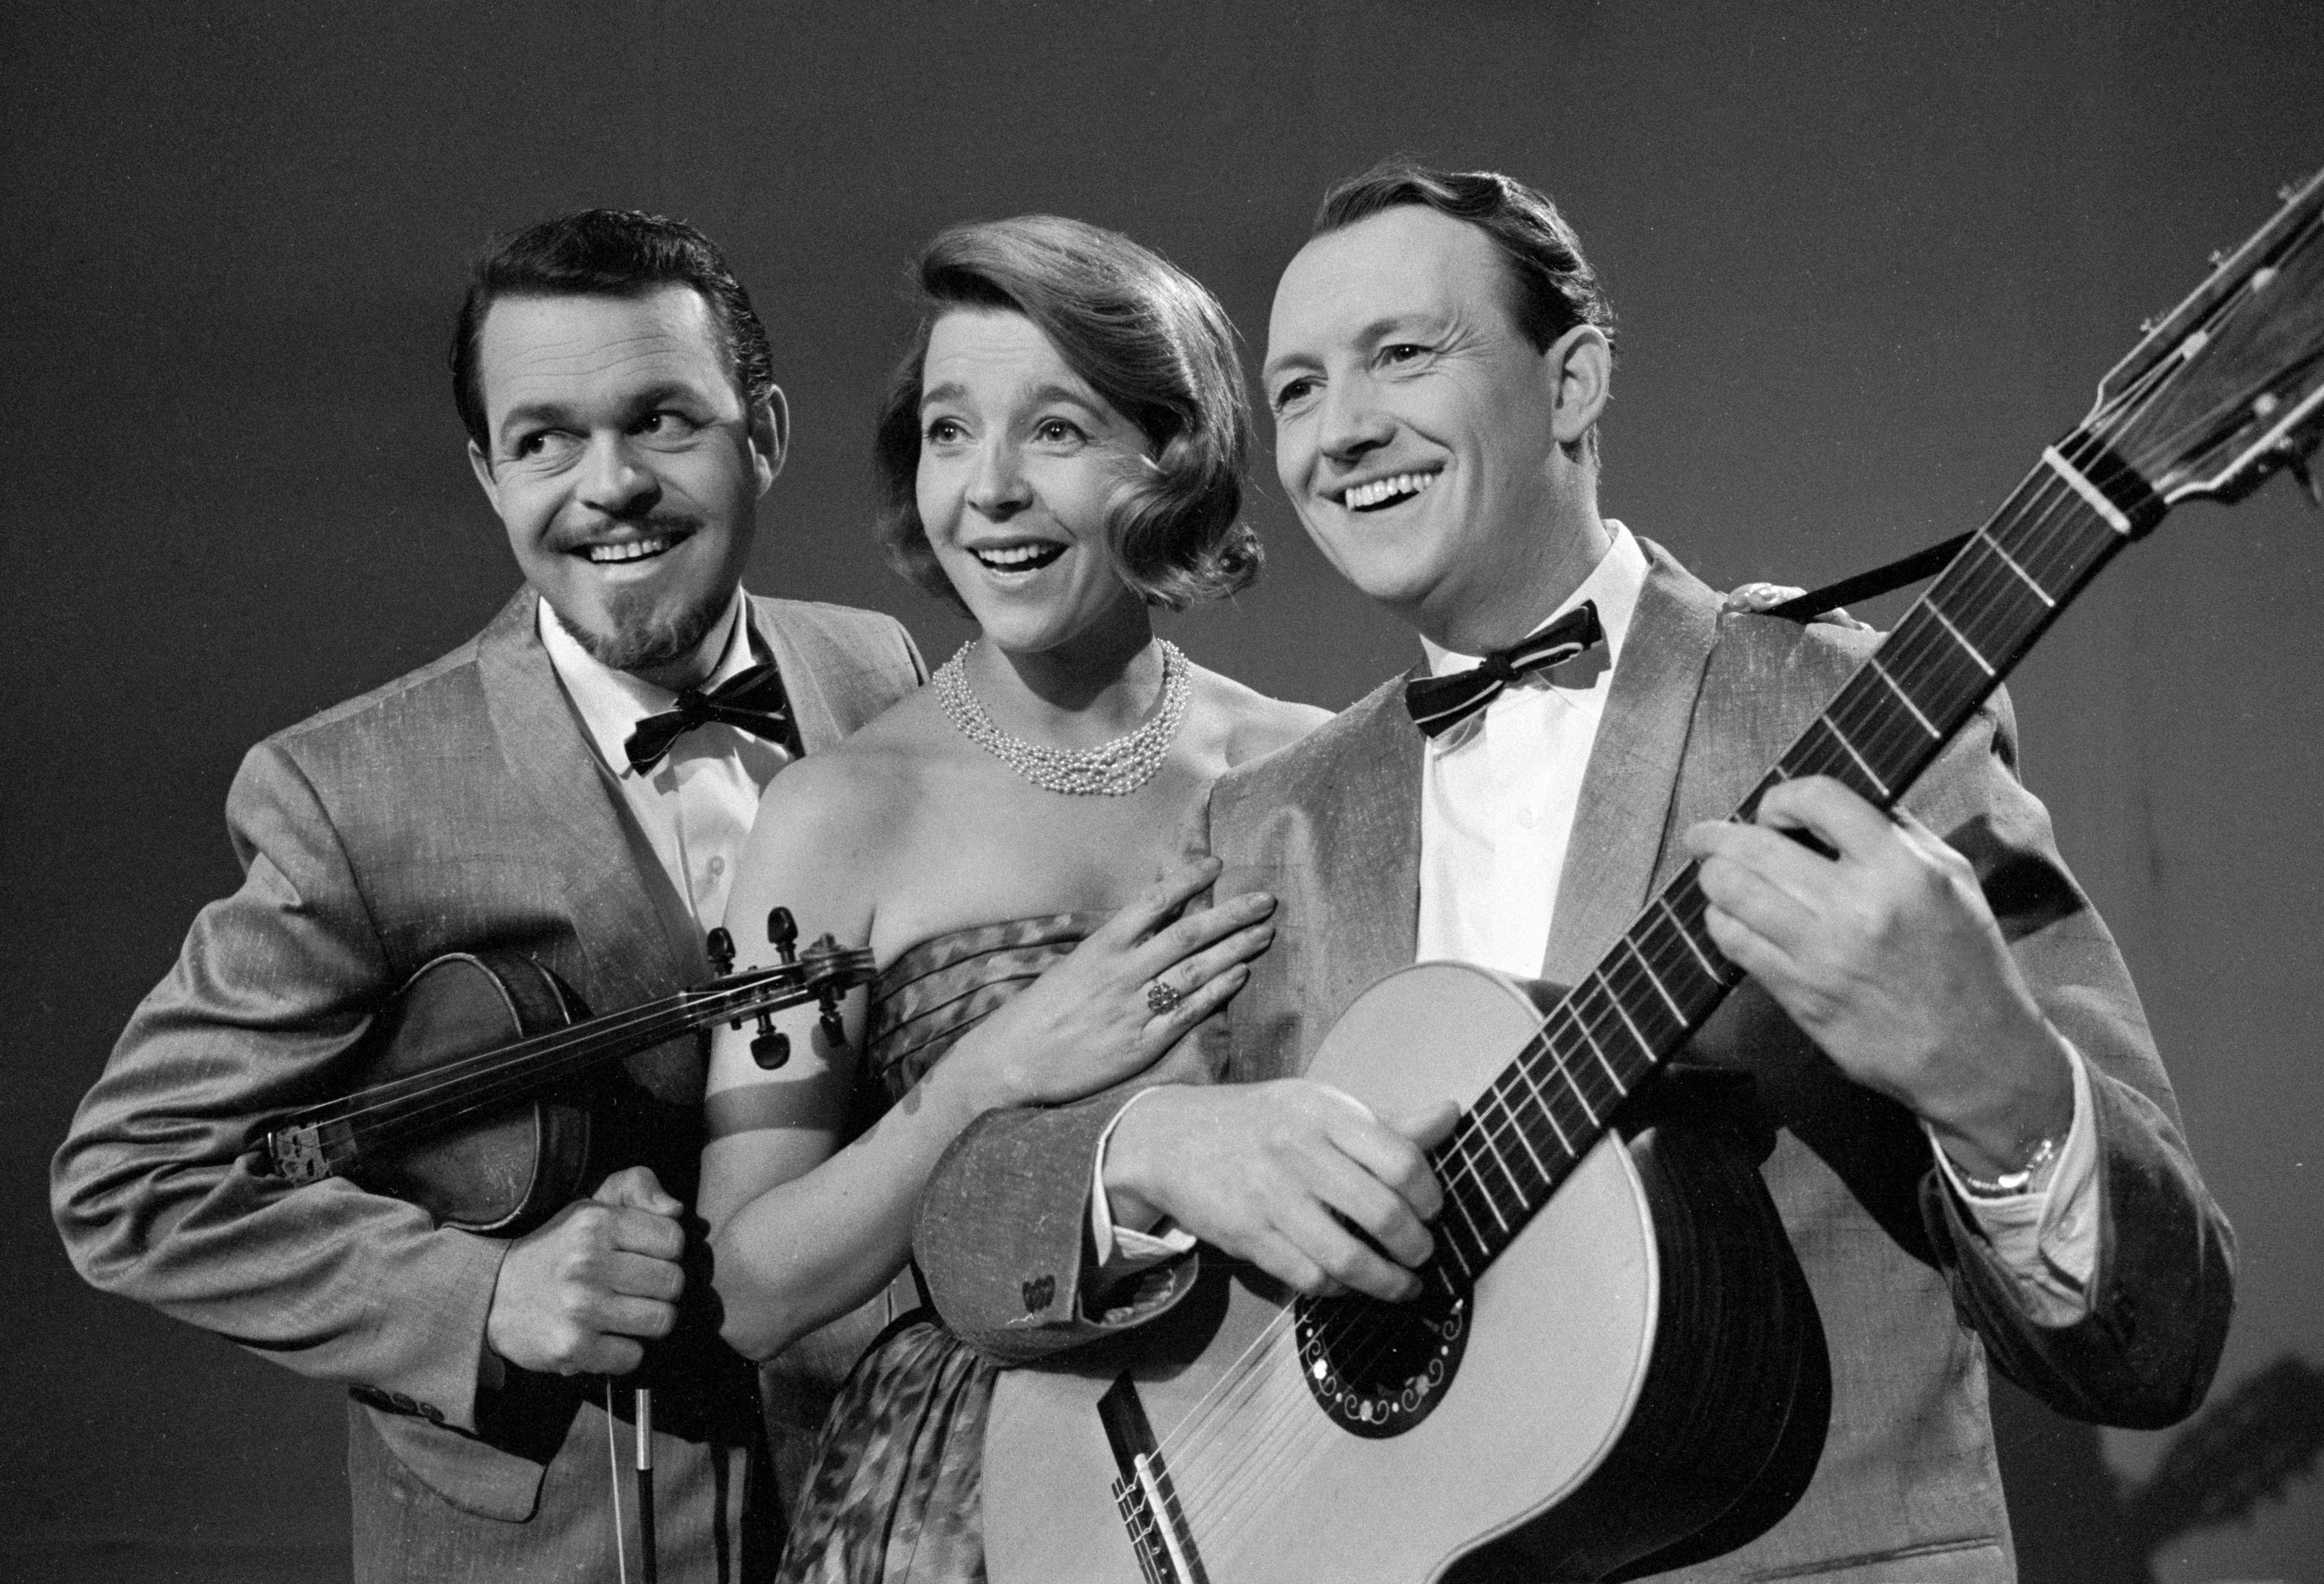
[
  {"x": 954, "y": 390},
  {"x": 1376, "y": 330},
  {"x": 525, "y": 413}
]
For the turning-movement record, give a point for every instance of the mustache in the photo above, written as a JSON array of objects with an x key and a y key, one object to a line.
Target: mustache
[{"x": 646, "y": 525}]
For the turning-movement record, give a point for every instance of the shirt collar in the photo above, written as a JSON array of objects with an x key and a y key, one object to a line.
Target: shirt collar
[
  {"x": 612, "y": 703},
  {"x": 1615, "y": 583}
]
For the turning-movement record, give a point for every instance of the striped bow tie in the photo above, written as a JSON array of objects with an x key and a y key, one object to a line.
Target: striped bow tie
[
  {"x": 752, "y": 701},
  {"x": 1439, "y": 703}
]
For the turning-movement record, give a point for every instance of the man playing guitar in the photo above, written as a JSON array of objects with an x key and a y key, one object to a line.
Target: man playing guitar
[{"x": 1976, "y": 1152}]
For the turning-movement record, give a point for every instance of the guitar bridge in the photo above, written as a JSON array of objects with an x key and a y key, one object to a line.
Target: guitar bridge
[{"x": 1142, "y": 1492}]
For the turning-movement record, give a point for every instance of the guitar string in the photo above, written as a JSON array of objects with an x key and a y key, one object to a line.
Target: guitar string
[
  {"x": 1991, "y": 572},
  {"x": 1197, "y": 1488},
  {"x": 1272, "y": 1442},
  {"x": 2040, "y": 548},
  {"x": 1193, "y": 1485}
]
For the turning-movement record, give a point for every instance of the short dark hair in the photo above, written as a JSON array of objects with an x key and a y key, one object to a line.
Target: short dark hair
[
  {"x": 1149, "y": 339},
  {"x": 1555, "y": 287},
  {"x": 606, "y": 252}
]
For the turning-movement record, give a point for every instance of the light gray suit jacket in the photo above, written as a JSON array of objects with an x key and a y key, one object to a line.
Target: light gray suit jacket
[
  {"x": 1700, "y": 705},
  {"x": 457, "y": 807}
]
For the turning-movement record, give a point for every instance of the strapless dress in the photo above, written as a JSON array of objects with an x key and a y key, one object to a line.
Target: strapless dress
[{"x": 892, "y": 1494}]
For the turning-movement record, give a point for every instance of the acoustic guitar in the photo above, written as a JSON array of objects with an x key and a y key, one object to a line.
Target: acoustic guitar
[
  {"x": 479, "y": 1078},
  {"x": 1570, "y": 1392}
]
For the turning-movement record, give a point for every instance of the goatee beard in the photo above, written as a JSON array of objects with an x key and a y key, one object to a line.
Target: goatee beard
[{"x": 641, "y": 639}]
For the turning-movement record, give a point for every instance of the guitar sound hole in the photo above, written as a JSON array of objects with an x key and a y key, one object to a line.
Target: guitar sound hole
[{"x": 1376, "y": 1369}]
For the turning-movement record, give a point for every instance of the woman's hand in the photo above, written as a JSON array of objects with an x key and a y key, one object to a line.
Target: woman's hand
[{"x": 1122, "y": 998}]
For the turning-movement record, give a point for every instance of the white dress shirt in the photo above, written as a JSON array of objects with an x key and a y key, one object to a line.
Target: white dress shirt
[
  {"x": 1498, "y": 796},
  {"x": 695, "y": 804}
]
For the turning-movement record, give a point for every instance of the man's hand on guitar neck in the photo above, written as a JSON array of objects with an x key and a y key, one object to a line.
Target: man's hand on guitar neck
[
  {"x": 575, "y": 1295},
  {"x": 1887, "y": 956},
  {"x": 1276, "y": 1173}
]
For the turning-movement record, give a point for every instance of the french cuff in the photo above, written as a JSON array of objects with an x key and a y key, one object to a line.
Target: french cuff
[
  {"x": 1118, "y": 1251},
  {"x": 2045, "y": 1242}
]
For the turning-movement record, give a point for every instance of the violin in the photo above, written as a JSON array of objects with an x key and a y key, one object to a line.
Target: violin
[{"x": 479, "y": 1076}]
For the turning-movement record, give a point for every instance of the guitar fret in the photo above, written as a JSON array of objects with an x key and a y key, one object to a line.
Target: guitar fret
[
  {"x": 1494, "y": 1150},
  {"x": 2010, "y": 561},
  {"x": 1832, "y": 730},
  {"x": 1905, "y": 699},
  {"x": 1686, "y": 935},
  {"x": 1645, "y": 1045},
  {"x": 1653, "y": 979},
  {"x": 1590, "y": 1040},
  {"x": 1467, "y": 1266},
  {"x": 1541, "y": 1101},
  {"x": 1517, "y": 1126},
  {"x": 1969, "y": 647}
]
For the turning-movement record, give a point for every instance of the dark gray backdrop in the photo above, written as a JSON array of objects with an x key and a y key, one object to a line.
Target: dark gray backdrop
[{"x": 1868, "y": 257}]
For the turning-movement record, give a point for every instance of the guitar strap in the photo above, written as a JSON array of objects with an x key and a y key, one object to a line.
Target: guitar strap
[{"x": 1865, "y": 586}]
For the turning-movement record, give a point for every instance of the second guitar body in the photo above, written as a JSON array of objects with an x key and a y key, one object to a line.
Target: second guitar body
[{"x": 1638, "y": 1379}]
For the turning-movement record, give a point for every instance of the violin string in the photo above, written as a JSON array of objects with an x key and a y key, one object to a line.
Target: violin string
[{"x": 502, "y": 1076}]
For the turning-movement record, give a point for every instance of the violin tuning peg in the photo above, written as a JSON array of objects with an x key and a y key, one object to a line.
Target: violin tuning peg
[
  {"x": 720, "y": 945},
  {"x": 782, "y": 932},
  {"x": 771, "y": 1047}
]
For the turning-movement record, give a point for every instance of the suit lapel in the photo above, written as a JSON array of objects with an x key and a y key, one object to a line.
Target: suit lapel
[
  {"x": 1369, "y": 833},
  {"x": 811, "y": 709},
  {"x": 1620, "y": 824},
  {"x": 611, "y": 876}
]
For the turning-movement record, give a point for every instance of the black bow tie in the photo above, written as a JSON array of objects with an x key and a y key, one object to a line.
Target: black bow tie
[
  {"x": 1439, "y": 703},
  {"x": 752, "y": 701}
]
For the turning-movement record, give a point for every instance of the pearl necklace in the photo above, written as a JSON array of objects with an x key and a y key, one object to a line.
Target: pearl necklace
[{"x": 1111, "y": 770}]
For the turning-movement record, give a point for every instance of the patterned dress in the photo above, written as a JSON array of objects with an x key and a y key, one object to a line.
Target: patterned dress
[{"x": 893, "y": 1494}]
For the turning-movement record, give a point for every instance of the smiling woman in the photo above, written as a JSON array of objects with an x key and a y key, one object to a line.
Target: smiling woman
[{"x": 1061, "y": 452}]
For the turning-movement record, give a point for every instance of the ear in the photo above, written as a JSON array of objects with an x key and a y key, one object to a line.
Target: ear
[
  {"x": 1580, "y": 367},
  {"x": 481, "y": 467},
  {"x": 771, "y": 435}
]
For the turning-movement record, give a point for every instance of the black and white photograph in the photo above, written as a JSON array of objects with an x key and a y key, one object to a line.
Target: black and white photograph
[{"x": 1422, "y": 791}]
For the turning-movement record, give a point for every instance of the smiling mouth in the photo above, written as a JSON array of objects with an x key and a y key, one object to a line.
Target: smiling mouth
[
  {"x": 622, "y": 551},
  {"x": 1027, "y": 557},
  {"x": 1386, "y": 492}
]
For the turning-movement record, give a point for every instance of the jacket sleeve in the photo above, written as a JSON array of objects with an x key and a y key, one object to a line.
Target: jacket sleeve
[
  {"x": 154, "y": 1194},
  {"x": 1002, "y": 1232},
  {"x": 2162, "y": 1287}
]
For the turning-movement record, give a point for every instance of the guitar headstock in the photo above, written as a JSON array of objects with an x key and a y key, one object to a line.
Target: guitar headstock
[{"x": 2229, "y": 386}]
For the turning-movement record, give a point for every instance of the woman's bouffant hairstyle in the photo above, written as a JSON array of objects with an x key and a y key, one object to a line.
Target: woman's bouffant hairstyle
[{"x": 1150, "y": 340}]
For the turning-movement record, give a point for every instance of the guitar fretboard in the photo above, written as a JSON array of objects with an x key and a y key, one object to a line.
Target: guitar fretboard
[{"x": 1664, "y": 977}]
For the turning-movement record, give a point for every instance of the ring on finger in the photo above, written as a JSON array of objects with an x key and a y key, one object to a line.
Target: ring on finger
[{"x": 1162, "y": 999}]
